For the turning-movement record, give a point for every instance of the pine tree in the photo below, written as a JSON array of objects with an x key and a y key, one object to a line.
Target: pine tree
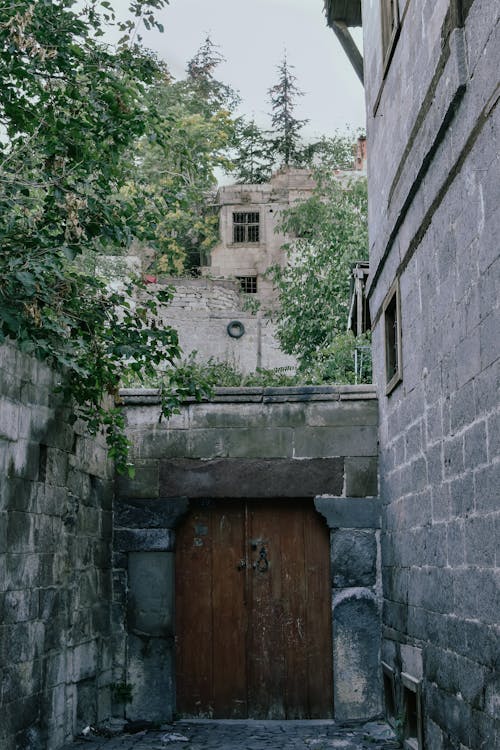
[
  {"x": 253, "y": 160},
  {"x": 287, "y": 143},
  {"x": 208, "y": 91}
]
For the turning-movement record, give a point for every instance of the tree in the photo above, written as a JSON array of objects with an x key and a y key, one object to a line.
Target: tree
[
  {"x": 330, "y": 233},
  {"x": 71, "y": 110},
  {"x": 208, "y": 94},
  {"x": 189, "y": 138},
  {"x": 287, "y": 144},
  {"x": 253, "y": 159}
]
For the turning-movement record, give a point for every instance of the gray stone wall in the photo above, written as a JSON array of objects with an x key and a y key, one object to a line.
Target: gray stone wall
[
  {"x": 318, "y": 442},
  {"x": 434, "y": 136},
  {"x": 56, "y": 495}
]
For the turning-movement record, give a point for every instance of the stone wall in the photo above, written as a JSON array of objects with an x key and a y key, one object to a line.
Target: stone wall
[
  {"x": 434, "y": 137},
  {"x": 201, "y": 311},
  {"x": 318, "y": 442},
  {"x": 55, "y": 581}
]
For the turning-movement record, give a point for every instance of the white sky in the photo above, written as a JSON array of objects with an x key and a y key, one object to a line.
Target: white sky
[{"x": 253, "y": 35}]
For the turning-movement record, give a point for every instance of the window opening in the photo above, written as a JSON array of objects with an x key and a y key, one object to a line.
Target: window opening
[
  {"x": 392, "y": 324},
  {"x": 246, "y": 227},
  {"x": 389, "y": 694},
  {"x": 390, "y": 26},
  {"x": 248, "y": 284}
]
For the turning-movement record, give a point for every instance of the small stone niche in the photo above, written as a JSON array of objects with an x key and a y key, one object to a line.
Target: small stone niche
[
  {"x": 412, "y": 708},
  {"x": 389, "y": 693}
]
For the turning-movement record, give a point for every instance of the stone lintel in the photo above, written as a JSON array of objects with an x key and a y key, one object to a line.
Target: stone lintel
[
  {"x": 161, "y": 513},
  {"x": 144, "y": 540},
  {"x": 250, "y": 478},
  {"x": 349, "y": 512}
]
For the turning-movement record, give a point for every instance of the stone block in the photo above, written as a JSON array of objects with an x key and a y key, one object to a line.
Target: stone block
[
  {"x": 353, "y": 558},
  {"x": 84, "y": 661},
  {"x": 462, "y": 496},
  {"x": 356, "y": 654},
  {"x": 349, "y": 513},
  {"x": 9, "y": 419},
  {"x": 361, "y": 476},
  {"x": 486, "y": 484},
  {"x": 160, "y": 442},
  {"x": 481, "y": 543},
  {"x": 241, "y": 443},
  {"x": 150, "y": 514},
  {"x": 144, "y": 483},
  {"x": 150, "y": 675},
  {"x": 336, "y": 441},
  {"x": 137, "y": 540},
  {"x": 151, "y": 593},
  {"x": 255, "y": 478}
]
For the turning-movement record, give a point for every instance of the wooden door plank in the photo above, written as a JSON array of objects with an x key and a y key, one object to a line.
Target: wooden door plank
[
  {"x": 266, "y": 665},
  {"x": 229, "y": 612},
  {"x": 318, "y": 617},
  {"x": 194, "y": 634},
  {"x": 294, "y": 624}
]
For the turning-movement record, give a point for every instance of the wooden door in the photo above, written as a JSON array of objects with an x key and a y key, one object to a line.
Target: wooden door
[{"x": 253, "y": 605}]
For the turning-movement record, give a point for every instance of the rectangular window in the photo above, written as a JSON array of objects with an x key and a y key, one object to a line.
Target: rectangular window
[
  {"x": 248, "y": 284},
  {"x": 389, "y": 12},
  {"x": 246, "y": 226},
  {"x": 392, "y": 326}
]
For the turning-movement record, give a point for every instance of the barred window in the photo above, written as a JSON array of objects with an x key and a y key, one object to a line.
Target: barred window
[
  {"x": 246, "y": 226},
  {"x": 248, "y": 284}
]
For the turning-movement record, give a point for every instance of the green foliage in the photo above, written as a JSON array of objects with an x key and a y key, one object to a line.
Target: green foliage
[
  {"x": 174, "y": 177},
  {"x": 71, "y": 111},
  {"x": 330, "y": 234},
  {"x": 346, "y": 360},
  {"x": 254, "y": 156}
]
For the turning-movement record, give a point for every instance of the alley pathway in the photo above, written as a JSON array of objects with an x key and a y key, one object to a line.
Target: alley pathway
[{"x": 248, "y": 735}]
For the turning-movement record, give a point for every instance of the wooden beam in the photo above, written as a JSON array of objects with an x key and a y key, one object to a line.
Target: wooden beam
[{"x": 349, "y": 45}]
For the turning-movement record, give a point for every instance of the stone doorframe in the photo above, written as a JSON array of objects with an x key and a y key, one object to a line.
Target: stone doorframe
[{"x": 144, "y": 543}]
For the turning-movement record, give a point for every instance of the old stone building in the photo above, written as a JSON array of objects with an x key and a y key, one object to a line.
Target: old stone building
[
  {"x": 432, "y": 89},
  {"x": 234, "y": 498}
]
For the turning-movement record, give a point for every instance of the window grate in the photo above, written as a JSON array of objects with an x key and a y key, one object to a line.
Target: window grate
[
  {"x": 246, "y": 226},
  {"x": 248, "y": 284}
]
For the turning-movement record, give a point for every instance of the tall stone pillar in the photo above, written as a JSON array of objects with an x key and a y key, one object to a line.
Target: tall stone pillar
[
  {"x": 144, "y": 545},
  {"x": 354, "y": 524}
]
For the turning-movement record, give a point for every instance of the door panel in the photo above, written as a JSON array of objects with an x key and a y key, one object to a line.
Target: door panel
[{"x": 253, "y": 611}]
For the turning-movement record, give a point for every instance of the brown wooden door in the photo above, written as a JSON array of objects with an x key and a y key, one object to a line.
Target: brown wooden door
[{"x": 253, "y": 615}]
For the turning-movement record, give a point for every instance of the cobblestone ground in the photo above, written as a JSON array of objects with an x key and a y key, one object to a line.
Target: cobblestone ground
[{"x": 248, "y": 735}]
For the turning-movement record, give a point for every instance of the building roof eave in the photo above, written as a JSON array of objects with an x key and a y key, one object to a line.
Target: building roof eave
[{"x": 347, "y": 12}]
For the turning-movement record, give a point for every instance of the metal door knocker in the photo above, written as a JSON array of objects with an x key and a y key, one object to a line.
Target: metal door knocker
[{"x": 262, "y": 564}]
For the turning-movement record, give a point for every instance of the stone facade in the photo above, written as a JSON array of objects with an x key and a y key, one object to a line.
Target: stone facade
[
  {"x": 317, "y": 442},
  {"x": 56, "y": 491},
  {"x": 231, "y": 258},
  {"x": 434, "y": 133}
]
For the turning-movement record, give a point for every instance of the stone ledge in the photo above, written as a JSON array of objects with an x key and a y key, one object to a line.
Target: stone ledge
[{"x": 151, "y": 396}]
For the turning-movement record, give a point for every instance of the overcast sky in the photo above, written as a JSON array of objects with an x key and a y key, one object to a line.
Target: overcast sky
[{"x": 252, "y": 36}]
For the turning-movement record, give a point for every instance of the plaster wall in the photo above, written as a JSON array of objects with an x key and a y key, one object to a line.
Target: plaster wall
[
  {"x": 56, "y": 490},
  {"x": 316, "y": 441},
  {"x": 434, "y": 137},
  {"x": 201, "y": 311}
]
